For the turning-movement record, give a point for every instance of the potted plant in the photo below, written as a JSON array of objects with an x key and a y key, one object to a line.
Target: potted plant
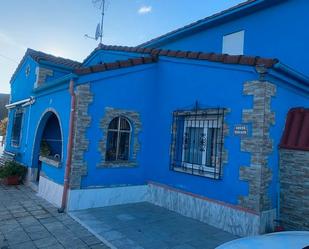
[{"x": 12, "y": 173}]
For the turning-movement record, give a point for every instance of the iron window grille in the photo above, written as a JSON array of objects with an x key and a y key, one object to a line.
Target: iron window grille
[
  {"x": 118, "y": 140},
  {"x": 197, "y": 142},
  {"x": 16, "y": 129}
]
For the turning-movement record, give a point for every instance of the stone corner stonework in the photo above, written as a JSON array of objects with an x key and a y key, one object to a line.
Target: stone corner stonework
[
  {"x": 135, "y": 120},
  {"x": 259, "y": 145},
  {"x": 294, "y": 189},
  {"x": 84, "y": 98}
]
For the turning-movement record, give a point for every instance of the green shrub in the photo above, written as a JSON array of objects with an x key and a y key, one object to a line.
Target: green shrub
[
  {"x": 12, "y": 169},
  {"x": 45, "y": 149}
]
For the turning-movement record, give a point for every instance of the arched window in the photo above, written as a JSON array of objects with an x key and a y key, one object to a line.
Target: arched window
[{"x": 118, "y": 140}]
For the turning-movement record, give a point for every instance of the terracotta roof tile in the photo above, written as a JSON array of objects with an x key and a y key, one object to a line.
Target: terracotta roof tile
[
  {"x": 39, "y": 56},
  {"x": 126, "y": 63},
  {"x": 114, "y": 65},
  {"x": 212, "y": 57},
  {"x": 137, "y": 61},
  {"x": 204, "y": 56},
  {"x": 155, "y": 52},
  {"x": 98, "y": 68},
  {"x": 193, "y": 55},
  {"x": 172, "y": 53},
  {"x": 181, "y": 54},
  {"x": 232, "y": 59},
  {"x": 247, "y": 60},
  {"x": 296, "y": 131}
]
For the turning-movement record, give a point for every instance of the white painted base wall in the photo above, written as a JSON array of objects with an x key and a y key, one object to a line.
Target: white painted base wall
[
  {"x": 227, "y": 217},
  {"x": 102, "y": 197},
  {"x": 50, "y": 191}
]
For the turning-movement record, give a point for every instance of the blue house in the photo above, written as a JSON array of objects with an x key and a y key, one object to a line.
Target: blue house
[{"x": 193, "y": 121}]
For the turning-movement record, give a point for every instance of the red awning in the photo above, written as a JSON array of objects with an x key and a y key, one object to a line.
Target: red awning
[{"x": 296, "y": 131}]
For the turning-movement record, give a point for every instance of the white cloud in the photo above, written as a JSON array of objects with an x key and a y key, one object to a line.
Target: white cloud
[{"x": 144, "y": 10}]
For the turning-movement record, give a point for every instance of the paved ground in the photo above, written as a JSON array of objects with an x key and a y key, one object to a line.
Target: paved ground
[
  {"x": 143, "y": 225},
  {"x": 27, "y": 221}
]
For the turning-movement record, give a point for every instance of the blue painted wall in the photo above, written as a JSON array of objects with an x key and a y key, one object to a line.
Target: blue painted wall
[
  {"x": 57, "y": 101},
  {"x": 121, "y": 89},
  {"x": 278, "y": 32},
  {"x": 180, "y": 84},
  {"x": 22, "y": 86},
  {"x": 177, "y": 84}
]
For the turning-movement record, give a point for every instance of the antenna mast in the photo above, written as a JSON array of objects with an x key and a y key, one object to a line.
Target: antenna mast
[
  {"x": 99, "y": 30},
  {"x": 102, "y": 21}
]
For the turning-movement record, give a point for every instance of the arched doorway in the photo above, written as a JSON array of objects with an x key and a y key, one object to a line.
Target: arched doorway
[{"x": 48, "y": 144}]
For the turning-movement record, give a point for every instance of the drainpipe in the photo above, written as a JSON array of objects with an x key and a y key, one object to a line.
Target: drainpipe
[{"x": 69, "y": 150}]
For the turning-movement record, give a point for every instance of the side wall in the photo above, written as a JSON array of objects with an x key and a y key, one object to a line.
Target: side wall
[
  {"x": 27, "y": 153},
  {"x": 276, "y": 32},
  {"x": 127, "y": 92}
]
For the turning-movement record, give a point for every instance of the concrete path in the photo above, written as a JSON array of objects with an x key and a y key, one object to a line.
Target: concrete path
[
  {"x": 27, "y": 221},
  {"x": 145, "y": 226}
]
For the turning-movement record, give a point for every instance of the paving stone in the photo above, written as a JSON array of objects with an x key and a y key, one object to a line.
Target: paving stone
[
  {"x": 27, "y": 221},
  {"x": 24, "y": 245},
  {"x": 46, "y": 242},
  {"x": 99, "y": 246},
  {"x": 91, "y": 240},
  {"x": 152, "y": 228},
  {"x": 74, "y": 243},
  {"x": 111, "y": 235},
  {"x": 16, "y": 237},
  {"x": 39, "y": 235}
]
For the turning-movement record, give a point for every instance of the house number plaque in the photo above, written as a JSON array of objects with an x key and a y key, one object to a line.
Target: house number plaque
[{"x": 241, "y": 130}]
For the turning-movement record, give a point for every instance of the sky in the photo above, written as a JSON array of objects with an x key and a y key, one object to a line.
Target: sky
[{"x": 58, "y": 26}]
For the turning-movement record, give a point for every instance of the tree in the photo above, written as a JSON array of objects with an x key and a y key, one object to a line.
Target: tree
[{"x": 3, "y": 125}]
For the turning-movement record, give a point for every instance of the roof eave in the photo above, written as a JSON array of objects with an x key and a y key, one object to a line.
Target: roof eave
[{"x": 290, "y": 77}]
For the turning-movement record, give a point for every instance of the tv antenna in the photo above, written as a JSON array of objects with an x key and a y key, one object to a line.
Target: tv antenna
[{"x": 99, "y": 30}]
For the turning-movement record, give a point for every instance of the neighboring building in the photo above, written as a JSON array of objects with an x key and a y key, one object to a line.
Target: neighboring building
[{"x": 195, "y": 132}]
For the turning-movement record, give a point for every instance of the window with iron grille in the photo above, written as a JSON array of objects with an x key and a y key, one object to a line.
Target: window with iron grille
[
  {"x": 16, "y": 129},
  {"x": 197, "y": 142},
  {"x": 118, "y": 140}
]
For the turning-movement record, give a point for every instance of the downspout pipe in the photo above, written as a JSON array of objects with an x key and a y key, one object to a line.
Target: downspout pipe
[{"x": 69, "y": 149}]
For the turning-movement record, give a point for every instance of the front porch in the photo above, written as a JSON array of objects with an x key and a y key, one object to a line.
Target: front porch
[{"x": 146, "y": 226}]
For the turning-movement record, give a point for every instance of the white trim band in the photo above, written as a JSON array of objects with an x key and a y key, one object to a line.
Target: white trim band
[{"x": 24, "y": 103}]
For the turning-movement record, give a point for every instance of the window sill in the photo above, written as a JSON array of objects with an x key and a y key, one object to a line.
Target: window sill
[
  {"x": 195, "y": 172},
  {"x": 50, "y": 161},
  {"x": 118, "y": 164}
]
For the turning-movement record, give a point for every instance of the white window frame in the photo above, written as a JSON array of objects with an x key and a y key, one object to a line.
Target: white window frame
[
  {"x": 234, "y": 43},
  {"x": 118, "y": 130},
  {"x": 193, "y": 123}
]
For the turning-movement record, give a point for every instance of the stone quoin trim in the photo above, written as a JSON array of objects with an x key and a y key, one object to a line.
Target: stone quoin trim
[
  {"x": 259, "y": 145},
  {"x": 84, "y": 98},
  {"x": 135, "y": 121}
]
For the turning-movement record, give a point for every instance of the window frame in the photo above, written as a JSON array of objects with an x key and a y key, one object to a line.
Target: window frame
[
  {"x": 210, "y": 118},
  {"x": 119, "y": 131},
  {"x": 214, "y": 124},
  {"x": 14, "y": 142},
  {"x": 231, "y": 37}
]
